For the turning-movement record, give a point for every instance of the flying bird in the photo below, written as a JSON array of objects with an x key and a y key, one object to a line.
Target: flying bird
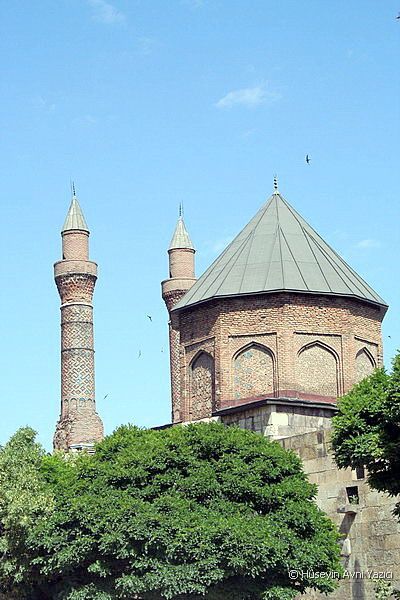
[
  {"x": 398, "y": 16},
  {"x": 139, "y": 354},
  {"x": 149, "y": 317},
  {"x": 308, "y": 160},
  {"x": 106, "y": 396}
]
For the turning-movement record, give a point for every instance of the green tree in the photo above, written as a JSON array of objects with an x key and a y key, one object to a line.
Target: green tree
[
  {"x": 366, "y": 430},
  {"x": 203, "y": 511},
  {"x": 24, "y": 498}
]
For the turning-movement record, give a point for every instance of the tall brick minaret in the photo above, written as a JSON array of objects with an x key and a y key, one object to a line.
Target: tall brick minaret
[
  {"x": 181, "y": 278},
  {"x": 79, "y": 425}
]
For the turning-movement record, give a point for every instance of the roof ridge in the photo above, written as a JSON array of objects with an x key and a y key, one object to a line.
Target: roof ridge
[
  {"x": 271, "y": 254},
  {"x": 251, "y": 242},
  {"x": 279, "y": 240},
  {"x": 307, "y": 235},
  {"x": 341, "y": 273},
  {"x": 219, "y": 258},
  {"x": 294, "y": 259},
  {"x": 208, "y": 272}
]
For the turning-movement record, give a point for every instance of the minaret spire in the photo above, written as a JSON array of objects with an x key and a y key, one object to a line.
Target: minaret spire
[
  {"x": 181, "y": 278},
  {"x": 276, "y": 184},
  {"x": 79, "y": 426}
]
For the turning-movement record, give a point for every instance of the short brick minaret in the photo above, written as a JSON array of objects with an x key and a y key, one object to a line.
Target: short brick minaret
[
  {"x": 79, "y": 425},
  {"x": 181, "y": 278}
]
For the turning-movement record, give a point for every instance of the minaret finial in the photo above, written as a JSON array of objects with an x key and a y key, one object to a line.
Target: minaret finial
[
  {"x": 73, "y": 189},
  {"x": 180, "y": 209},
  {"x": 275, "y": 183}
]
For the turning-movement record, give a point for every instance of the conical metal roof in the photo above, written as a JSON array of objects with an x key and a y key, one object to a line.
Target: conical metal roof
[
  {"x": 278, "y": 251},
  {"x": 181, "y": 238},
  {"x": 75, "y": 218}
]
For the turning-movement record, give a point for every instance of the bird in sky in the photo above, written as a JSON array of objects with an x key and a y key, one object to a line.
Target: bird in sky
[
  {"x": 106, "y": 396},
  {"x": 139, "y": 354},
  {"x": 398, "y": 16},
  {"x": 149, "y": 317},
  {"x": 308, "y": 160}
]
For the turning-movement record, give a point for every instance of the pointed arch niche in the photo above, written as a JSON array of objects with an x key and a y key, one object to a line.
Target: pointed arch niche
[
  {"x": 317, "y": 370},
  {"x": 365, "y": 364},
  {"x": 201, "y": 373},
  {"x": 253, "y": 371}
]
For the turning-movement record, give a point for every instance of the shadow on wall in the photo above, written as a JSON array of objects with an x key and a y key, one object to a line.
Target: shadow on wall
[
  {"x": 346, "y": 524},
  {"x": 357, "y": 586}
]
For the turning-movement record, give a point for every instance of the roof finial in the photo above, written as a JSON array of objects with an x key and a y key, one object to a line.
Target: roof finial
[
  {"x": 180, "y": 210},
  {"x": 73, "y": 189},
  {"x": 275, "y": 183}
]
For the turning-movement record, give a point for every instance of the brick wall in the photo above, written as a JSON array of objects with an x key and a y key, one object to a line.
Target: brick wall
[
  {"x": 79, "y": 422},
  {"x": 181, "y": 262},
  {"x": 182, "y": 277},
  {"x": 249, "y": 360},
  {"x": 75, "y": 244},
  {"x": 298, "y": 345},
  {"x": 365, "y": 364},
  {"x": 201, "y": 386}
]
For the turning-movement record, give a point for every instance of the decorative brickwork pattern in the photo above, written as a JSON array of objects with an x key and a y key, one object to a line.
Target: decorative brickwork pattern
[
  {"x": 77, "y": 331},
  {"x": 317, "y": 370},
  {"x": 77, "y": 374},
  {"x": 202, "y": 386},
  {"x": 285, "y": 323},
  {"x": 332, "y": 341},
  {"x": 191, "y": 353},
  {"x": 75, "y": 278},
  {"x": 372, "y": 349},
  {"x": 76, "y": 287},
  {"x": 77, "y": 313},
  {"x": 206, "y": 345},
  {"x": 365, "y": 364},
  {"x": 253, "y": 372},
  {"x": 174, "y": 349},
  {"x": 170, "y": 299}
]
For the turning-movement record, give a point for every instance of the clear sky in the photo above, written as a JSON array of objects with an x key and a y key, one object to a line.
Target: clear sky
[{"x": 147, "y": 103}]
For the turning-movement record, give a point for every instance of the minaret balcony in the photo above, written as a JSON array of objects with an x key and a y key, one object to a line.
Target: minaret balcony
[{"x": 69, "y": 267}]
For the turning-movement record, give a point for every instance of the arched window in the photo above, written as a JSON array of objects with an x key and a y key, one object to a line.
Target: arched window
[
  {"x": 201, "y": 386},
  {"x": 253, "y": 372},
  {"x": 317, "y": 370},
  {"x": 365, "y": 364}
]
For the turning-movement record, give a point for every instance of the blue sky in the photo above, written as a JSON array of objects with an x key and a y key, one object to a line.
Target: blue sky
[{"x": 148, "y": 103}]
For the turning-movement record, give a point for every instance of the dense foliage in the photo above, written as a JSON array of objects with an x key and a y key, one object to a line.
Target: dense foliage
[
  {"x": 183, "y": 513},
  {"x": 366, "y": 430}
]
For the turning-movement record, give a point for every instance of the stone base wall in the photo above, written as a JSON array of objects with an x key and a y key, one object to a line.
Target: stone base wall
[
  {"x": 280, "y": 420},
  {"x": 370, "y": 532}
]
